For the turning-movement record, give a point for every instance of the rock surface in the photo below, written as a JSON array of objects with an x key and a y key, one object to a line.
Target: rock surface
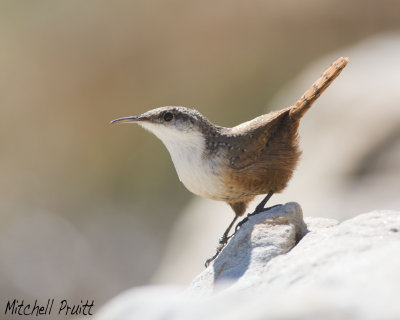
[
  {"x": 348, "y": 270},
  {"x": 263, "y": 237}
]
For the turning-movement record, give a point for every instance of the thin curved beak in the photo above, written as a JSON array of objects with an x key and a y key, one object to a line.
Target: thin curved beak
[{"x": 131, "y": 119}]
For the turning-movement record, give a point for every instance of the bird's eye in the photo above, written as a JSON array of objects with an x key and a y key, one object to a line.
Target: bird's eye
[{"x": 168, "y": 116}]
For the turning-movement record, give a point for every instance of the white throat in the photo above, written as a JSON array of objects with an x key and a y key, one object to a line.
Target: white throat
[{"x": 186, "y": 150}]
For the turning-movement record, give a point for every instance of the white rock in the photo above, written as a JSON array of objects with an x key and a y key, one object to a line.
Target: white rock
[
  {"x": 265, "y": 236},
  {"x": 347, "y": 271}
]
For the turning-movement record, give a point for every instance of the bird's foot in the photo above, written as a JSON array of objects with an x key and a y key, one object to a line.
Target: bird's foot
[
  {"x": 257, "y": 211},
  {"x": 221, "y": 245},
  {"x": 222, "y": 241},
  {"x": 219, "y": 249},
  {"x": 225, "y": 238}
]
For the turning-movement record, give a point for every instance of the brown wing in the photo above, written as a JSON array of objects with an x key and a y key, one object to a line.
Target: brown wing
[
  {"x": 269, "y": 154},
  {"x": 250, "y": 139}
]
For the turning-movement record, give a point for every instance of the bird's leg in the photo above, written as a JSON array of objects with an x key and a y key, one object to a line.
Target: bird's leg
[
  {"x": 224, "y": 239},
  {"x": 261, "y": 205},
  {"x": 259, "y": 208},
  {"x": 222, "y": 242}
]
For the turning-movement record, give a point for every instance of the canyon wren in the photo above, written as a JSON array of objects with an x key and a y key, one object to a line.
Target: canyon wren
[{"x": 234, "y": 164}]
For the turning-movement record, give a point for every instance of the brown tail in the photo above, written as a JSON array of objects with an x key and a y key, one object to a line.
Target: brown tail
[{"x": 319, "y": 86}]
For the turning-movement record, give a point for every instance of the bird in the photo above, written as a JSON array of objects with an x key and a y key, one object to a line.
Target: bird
[{"x": 235, "y": 164}]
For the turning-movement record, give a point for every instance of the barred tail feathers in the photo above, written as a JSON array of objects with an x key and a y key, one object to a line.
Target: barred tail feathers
[{"x": 319, "y": 86}]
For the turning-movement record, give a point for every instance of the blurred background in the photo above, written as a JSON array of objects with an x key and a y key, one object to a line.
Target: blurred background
[{"x": 88, "y": 209}]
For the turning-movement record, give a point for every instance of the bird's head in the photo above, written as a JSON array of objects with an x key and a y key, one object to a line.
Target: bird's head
[{"x": 172, "y": 124}]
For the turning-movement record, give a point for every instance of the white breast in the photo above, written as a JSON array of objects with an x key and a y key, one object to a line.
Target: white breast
[{"x": 200, "y": 176}]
